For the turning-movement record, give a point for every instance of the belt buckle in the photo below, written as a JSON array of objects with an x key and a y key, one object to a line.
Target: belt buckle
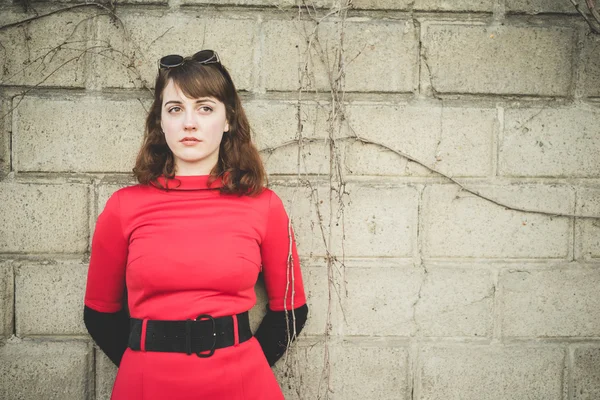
[{"x": 206, "y": 317}]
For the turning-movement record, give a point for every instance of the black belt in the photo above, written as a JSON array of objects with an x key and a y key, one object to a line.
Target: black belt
[{"x": 200, "y": 336}]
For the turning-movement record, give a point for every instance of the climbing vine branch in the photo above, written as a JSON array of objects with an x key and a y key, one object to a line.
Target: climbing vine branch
[{"x": 593, "y": 19}]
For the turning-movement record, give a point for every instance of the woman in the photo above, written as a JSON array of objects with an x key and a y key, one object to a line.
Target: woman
[{"x": 187, "y": 244}]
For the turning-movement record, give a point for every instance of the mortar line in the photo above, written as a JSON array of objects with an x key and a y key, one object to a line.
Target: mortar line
[
  {"x": 257, "y": 74},
  {"x": 569, "y": 363},
  {"x": 498, "y": 136},
  {"x": 8, "y": 126},
  {"x": 419, "y": 33},
  {"x": 13, "y": 130},
  {"x": 94, "y": 383},
  {"x": 413, "y": 348},
  {"x": 576, "y": 85},
  {"x": 414, "y": 387},
  {"x": 574, "y": 253},
  {"x": 499, "y": 10},
  {"x": 93, "y": 211},
  {"x": 89, "y": 67},
  {"x": 14, "y": 300},
  {"x": 288, "y": 95},
  {"x": 497, "y": 310}
]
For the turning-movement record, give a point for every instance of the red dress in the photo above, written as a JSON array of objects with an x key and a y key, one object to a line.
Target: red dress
[{"x": 185, "y": 252}]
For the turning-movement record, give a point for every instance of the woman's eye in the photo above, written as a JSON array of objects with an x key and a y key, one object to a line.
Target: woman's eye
[
  {"x": 205, "y": 109},
  {"x": 174, "y": 109}
]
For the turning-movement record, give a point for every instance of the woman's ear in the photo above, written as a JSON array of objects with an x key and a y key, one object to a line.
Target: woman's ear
[{"x": 226, "y": 126}]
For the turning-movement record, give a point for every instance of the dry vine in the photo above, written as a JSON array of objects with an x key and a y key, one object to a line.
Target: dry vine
[{"x": 594, "y": 22}]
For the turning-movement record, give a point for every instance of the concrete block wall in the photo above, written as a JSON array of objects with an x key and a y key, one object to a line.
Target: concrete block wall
[{"x": 440, "y": 252}]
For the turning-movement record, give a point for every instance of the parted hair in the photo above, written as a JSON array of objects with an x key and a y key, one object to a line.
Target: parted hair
[{"x": 239, "y": 165}]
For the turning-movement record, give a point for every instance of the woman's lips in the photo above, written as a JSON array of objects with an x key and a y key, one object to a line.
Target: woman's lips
[{"x": 190, "y": 141}]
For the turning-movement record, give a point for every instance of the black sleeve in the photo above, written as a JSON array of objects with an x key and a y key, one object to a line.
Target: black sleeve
[
  {"x": 110, "y": 331},
  {"x": 272, "y": 333}
]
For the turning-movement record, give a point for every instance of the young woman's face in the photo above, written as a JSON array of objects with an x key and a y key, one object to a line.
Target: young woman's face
[{"x": 193, "y": 130}]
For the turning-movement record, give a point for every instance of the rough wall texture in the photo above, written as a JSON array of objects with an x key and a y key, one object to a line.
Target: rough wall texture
[{"x": 432, "y": 191}]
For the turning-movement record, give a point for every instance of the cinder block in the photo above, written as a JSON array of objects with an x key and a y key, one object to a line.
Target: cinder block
[
  {"x": 356, "y": 370},
  {"x": 106, "y": 373},
  {"x": 275, "y": 123},
  {"x": 419, "y": 5},
  {"x": 455, "y": 141},
  {"x": 301, "y": 371},
  {"x": 491, "y": 373},
  {"x": 588, "y": 240},
  {"x": 455, "y": 302},
  {"x": 557, "y": 142},
  {"x": 590, "y": 58},
  {"x": 460, "y": 224},
  {"x": 380, "y": 299},
  {"x": 43, "y": 218},
  {"x": 588, "y": 201},
  {"x": 465, "y": 59},
  {"x": 541, "y": 6},
  {"x": 462, "y": 5},
  {"x": 276, "y": 134},
  {"x": 370, "y": 372},
  {"x": 56, "y": 290},
  {"x": 362, "y": 158},
  {"x": 366, "y": 4},
  {"x": 586, "y": 373},
  {"x": 60, "y": 142},
  {"x": 5, "y": 134},
  {"x": 311, "y": 158},
  {"x": 386, "y": 227},
  {"x": 132, "y": 57},
  {"x": 308, "y": 208},
  {"x": 145, "y": 2},
  {"x": 392, "y": 43},
  {"x": 274, "y": 3},
  {"x": 318, "y": 290},
  {"x": 408, "y": 129},
  {"x": 45, "y": 370},
  {"x": 549, "y": 303},
  {"x": 142, "y": 2},
  {"x": 33, "y": 57},
  {"x": 259, "y": 310},
  {"x": 7, "y": 294}
]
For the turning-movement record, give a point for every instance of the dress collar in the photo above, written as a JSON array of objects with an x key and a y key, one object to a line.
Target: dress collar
[{"x": 192, "y": 182}]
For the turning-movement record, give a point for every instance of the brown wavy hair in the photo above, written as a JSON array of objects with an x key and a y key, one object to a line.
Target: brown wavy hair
[{"x": 239, "y": 164}]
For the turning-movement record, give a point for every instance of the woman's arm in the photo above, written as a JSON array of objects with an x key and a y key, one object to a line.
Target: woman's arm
[
  {"x": 105, "y": 318},
  {"x": 283, "y": 282},
  {"x": 275, "y": 332},
  {"x": 110, "y": 331}
]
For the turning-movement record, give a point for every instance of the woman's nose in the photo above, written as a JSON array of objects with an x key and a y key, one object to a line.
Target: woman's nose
[{"x": 190, "y": 124}]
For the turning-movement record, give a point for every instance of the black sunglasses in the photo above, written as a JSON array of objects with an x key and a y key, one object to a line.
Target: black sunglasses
[{"x": 202, "y": 57}]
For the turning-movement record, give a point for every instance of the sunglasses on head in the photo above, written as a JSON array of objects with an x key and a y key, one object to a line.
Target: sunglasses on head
[{"x": 202, "y": 57}]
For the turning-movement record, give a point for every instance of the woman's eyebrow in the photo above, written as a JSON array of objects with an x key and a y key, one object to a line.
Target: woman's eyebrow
[
  {"x": 201, "y": 100},
  {"x": 205, "y": 99}
]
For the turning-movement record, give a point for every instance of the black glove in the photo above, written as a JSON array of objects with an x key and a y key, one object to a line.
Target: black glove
[
  {"x": 273, "y": 333},
  {"x": 110, "y": 331}
]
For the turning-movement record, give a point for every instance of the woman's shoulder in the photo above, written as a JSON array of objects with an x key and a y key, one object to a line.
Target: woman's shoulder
[
  {"x": 266, "y": 196},
  {"x": 128, "y": 194},
  {"x": 270, "y": 200}
]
